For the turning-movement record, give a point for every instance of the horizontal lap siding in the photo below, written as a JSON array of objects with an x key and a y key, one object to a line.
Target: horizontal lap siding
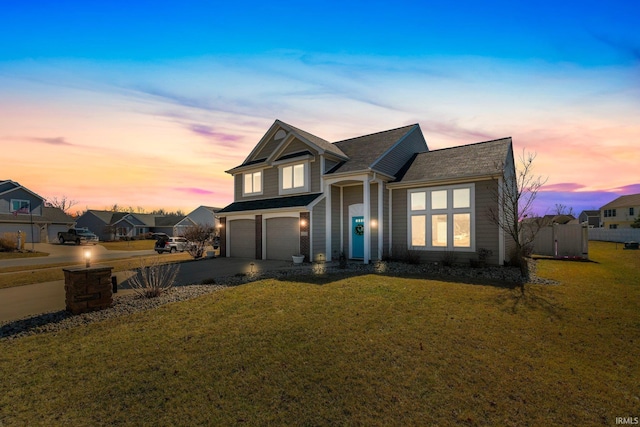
[
  {"x": 487, "y": 235},
  {"x": 319, "y": 230}
]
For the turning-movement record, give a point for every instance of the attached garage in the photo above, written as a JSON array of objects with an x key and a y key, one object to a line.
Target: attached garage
[
  {"x": 242, "y": 242},
  {"x": 283, "y": 238}
]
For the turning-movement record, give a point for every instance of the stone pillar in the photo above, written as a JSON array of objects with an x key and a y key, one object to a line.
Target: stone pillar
[{"x": 87, "y": 289}]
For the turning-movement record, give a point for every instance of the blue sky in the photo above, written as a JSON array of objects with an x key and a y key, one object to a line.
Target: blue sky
[{"x": 190, "y": 87}]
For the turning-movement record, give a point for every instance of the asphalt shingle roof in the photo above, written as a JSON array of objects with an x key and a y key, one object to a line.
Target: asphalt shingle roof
[
  {"x": 274, "y": 203},
  {"x": 483, "y": 158},
  {"x": 630, "y": 200},
  {"x": 325, "y": 145},
  {"x": 363, "y": 151}
]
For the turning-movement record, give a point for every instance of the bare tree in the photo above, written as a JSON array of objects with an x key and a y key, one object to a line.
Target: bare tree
[
  {"x": 561, "y": 209},
  {"x": 198, "y": 237},
  {"x": 153, "y": 279},
  {"x": 516, "y": 191},
  {"x": 63, "y": 203}
]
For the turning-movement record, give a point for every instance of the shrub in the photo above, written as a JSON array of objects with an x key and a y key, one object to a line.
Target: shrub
[
  {"x": 154, "y": 279},
  {"x": 403, "y": 254},
  {"x": 8, "y": 242},
  {"x": 449, "y": 258}
]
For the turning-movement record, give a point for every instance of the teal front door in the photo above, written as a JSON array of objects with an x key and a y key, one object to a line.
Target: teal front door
[{"x": 357, "y": 237}]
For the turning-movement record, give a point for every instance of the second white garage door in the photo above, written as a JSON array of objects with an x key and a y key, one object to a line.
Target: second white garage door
[
  {"x": 283, "y": 238},
  {"x": 242, "y": 242}
]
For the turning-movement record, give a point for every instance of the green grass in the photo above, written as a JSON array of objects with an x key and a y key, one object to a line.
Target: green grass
[
  {"x": 362, "y": 350},
  {"x": 18, "y": 255},
  {"x": 131, "y": 245},
  {"x": 20, "y": 275}
]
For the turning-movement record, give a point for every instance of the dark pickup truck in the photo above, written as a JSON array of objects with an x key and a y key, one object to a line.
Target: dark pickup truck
[{"x": 77, "y": 236}]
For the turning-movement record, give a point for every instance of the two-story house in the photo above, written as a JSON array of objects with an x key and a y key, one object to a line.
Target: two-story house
[
  {"x": 22, "y": 210},
  {"x": 621, "y": 212},
  {"x": 366, "y": 197}
]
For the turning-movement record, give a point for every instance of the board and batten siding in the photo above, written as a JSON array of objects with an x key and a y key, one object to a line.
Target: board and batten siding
[
  {"x": 319, "y": 231},
  {"x": 391, "y": 162},
  {"x": 486, "y": 233}
]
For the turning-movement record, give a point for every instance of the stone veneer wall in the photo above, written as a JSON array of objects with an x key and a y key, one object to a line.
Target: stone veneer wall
[{"x": 87, "y": 289}]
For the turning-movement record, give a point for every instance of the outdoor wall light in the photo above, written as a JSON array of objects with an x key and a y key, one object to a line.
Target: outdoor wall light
[
  {"x": 303, "y": 223},
  {"x": 374, "y": 223},
  {"x": 87, "y": 257}
]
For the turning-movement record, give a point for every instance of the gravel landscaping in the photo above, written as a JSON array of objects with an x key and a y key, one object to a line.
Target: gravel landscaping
[{"x": 128, "y": 304}]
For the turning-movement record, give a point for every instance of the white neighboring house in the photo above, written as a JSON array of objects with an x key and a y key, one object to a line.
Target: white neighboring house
[{"x": 23, "y": 210}]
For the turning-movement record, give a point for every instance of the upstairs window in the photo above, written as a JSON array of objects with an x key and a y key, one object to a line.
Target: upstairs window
[
  {"x": 631, "y": 212},
  {"x": 252, "y": 183},
  {"x": 20, "y": 206},
  {"x": 294, "y": 178}
]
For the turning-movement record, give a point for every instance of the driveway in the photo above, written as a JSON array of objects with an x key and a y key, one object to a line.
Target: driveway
[{"x": 30, "y": 300}]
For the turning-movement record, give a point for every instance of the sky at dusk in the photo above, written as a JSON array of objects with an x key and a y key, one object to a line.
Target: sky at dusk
[{"x": 146, "y": 104}]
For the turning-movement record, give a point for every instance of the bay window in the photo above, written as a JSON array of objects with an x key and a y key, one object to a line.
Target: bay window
[{"x": 442, "y": 218}]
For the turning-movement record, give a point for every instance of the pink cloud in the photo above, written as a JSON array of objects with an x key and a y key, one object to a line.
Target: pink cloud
[
  {"x": 193, "y": 190},
  {"x": 563, "y": 187}
]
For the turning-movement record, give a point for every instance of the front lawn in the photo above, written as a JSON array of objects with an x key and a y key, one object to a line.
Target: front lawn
[
  {"x": 18, "y": 255},
  {"x": 129, "y": 245},
  {"x": 361, "y": 350}
]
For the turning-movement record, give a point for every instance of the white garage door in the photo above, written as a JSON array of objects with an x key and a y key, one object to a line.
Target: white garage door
[
  {"x": 283, "y": 238},
  {"x": 242, "y": 238}
]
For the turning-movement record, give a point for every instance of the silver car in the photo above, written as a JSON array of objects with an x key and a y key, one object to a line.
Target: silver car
[{"x": 171, "y": 244}]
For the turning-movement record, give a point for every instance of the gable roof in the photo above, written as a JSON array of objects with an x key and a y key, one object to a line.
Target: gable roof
[
  {"x": 364, "y": 151},
  {"x": 49, "y": 215},
  {"x": 590, "y": 212},
  {"x": 624, "y": 202},
  {"x": 8, "y": 186},
  {"x": 319, "y": 142},
  {"x": 479, "y": 159},
  {"x": 273, "y": 203}
]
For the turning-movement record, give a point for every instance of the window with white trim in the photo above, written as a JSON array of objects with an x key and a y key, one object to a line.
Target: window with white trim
[
  {"x": 20, "y": 206},
  {"x": 294, "y": 178},
  {"x": 252, "y": 183},
  {"x": 442, "y": 218}
]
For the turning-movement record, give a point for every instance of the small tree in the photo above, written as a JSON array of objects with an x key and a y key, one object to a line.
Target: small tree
[
  {"x": 561, "y": 209},
  {"x": 63, "y": 203},
  {"x": 198, "y": 237},
  {"x": 636, "y": 222},
  {"x": 515, "y": 193}
]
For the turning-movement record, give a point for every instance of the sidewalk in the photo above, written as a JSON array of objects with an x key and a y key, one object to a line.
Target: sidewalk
[{"x": 29, "y": 300}]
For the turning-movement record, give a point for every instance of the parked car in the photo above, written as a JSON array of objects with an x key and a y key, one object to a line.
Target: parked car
[
  {"x": 171, "y": 244},
  {"x": 77, "y": 236}
]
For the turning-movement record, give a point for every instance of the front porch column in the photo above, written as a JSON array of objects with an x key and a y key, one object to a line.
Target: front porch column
[
  {"x": 380, "y": 220},
  {"x": 327, "y": 193},
  {"x": 367, "y": 220}
]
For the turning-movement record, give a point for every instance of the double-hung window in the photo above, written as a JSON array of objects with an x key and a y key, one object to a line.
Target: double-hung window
[
  {"x": 294, "y": 178},
  {"x": 252, "y": 183},
  {"x": 442, "y": 218}
]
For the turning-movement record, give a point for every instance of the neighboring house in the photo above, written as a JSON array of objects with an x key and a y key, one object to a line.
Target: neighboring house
[
  {"x": 367, "y": 197},
  {"x": 621, "y": 212},
  {"x": 202, "y": 215},
  {"x": 23, "y": 210},
  {"x": 109, "y": 225},
  {"x": 590, "y": 218}
]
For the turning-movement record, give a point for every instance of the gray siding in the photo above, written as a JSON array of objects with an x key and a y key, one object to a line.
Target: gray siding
[
  {"x": 267, "y": 149},
  {"x": 391, "y": 162},
  {"x": 486, "y": 233},
  {"x": 329, "y": 164},
  {"x": 270, "y": 176},
  {"x": 20, "y": 194},
  {"x": 96, "y": 225},
  {"x": 385, "y": 220},
  {"x": 319, "y": 230}
]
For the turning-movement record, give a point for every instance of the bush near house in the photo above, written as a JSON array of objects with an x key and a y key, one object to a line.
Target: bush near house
[{"x": 8, "y": 242}]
